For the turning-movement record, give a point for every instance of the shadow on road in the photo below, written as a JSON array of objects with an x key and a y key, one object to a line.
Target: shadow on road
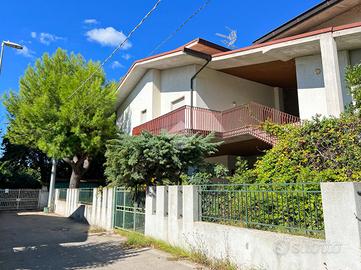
[{"x": 36, "y": 241}]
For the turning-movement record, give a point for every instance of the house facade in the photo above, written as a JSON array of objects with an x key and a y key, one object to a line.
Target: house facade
[{"x": 290, "y": 74}]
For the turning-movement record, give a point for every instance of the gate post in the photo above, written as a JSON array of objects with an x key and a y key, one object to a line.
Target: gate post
[
  {"x": 150, "y": 211},
  {"x": 342, "y": 215}
]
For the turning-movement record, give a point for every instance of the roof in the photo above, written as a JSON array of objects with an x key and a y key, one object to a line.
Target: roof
[
  {"x": 318, "y": 14},
  {"x": 176, "y": 57},
  {"x": 179, "y": 57}
]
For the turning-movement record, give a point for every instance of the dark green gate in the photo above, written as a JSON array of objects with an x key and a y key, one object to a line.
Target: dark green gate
[{"x": 129, "y": 213}]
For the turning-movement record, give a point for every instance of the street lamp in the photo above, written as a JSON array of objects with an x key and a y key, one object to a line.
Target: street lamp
[{"x": 11, "y": 45}]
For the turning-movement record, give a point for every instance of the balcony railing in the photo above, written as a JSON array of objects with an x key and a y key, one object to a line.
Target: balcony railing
[{"x": 245, "y": 119}]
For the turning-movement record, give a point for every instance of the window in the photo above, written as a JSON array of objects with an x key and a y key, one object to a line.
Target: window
[
  {"x": 143, "y": 116},
  {"x": 179, "y": 102}
]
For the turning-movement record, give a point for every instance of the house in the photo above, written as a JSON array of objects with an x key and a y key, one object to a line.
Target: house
[{"x": 294, "y": 72}]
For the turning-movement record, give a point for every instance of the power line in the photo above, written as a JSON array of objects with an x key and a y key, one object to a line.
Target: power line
[
  {"x": 195, "y": 13},
  {"x": 116, "y": 49}
]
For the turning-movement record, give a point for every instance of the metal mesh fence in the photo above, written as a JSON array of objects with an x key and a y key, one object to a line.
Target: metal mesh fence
[
  {"x": 62, "y": 194},
  {"x": 19, "y": 199},
  {"x": 86, "y": 195},
  {"x": 280, "y": 207}
]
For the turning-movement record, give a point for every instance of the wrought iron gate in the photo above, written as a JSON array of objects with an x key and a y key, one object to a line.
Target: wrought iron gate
[
  {"x": 128, "y": 214},
  {"x": 19, "y": 199}
]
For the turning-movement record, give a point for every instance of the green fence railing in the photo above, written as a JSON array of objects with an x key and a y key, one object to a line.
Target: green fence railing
[
  {"x": 295, "y": 208},
  {"x": 86, "y": 195},
  {"x": 62, "y": 194},
  {"x": 129, "y": 212}
]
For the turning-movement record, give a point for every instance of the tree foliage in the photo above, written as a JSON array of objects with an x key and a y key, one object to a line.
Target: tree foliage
[
  {"x": 353, "y": 80},
  {"x": 324, "y": 149},
  {"x": 47, "y": 115},
  {"x": 147, "y": 159}
]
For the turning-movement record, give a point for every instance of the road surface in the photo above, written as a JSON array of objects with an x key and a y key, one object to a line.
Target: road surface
[{"x": 33, "y": 240}]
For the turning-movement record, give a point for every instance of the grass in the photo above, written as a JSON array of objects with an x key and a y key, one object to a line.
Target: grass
[{"x": 138, "y": 240}]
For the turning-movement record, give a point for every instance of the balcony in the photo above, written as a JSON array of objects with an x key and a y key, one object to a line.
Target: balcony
[{"x": 242, "y": 120}]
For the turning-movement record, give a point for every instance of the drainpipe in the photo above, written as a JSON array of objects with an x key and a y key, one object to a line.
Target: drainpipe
[{"x": 201, "y": 55}]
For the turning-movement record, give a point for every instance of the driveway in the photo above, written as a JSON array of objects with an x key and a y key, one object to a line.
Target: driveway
[{"x": 33, "y": 240}]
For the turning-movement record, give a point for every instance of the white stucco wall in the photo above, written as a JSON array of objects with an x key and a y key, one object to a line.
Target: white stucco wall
[
  {"x": 355, "y": 57},
  {"x": 99, "y": 213},
  {"x": 311, "y": 86},
  {"x": 175, "y": 84},
  {"x": 143, "y": 97},
  {"x": 218, "y": 91}
]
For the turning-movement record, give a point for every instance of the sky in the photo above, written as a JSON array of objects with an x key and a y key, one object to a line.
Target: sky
[{"x": 94, "y": 28}]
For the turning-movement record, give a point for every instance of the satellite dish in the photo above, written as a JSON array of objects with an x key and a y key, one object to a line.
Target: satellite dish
[{"x": 230, "y": 39}]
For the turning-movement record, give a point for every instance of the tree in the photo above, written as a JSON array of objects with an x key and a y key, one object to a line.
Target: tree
[
  {"x": 146, "y": 160},
  {"x": 353, "y": 79},
  {"x": 47, "y": 113}
]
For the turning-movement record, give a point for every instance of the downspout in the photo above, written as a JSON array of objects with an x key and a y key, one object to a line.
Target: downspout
[{"x": 206, "y": 57}]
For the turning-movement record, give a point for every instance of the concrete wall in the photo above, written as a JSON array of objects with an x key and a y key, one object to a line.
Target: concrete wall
[
  {"x": 143, "y": 97},
  {"x": 43, "y": 198},
  {"x": 99, "y": 213},
  {"x": 220, "y": 91},
  {"x": 175, "y": 84},
  {"x": 312, "y": 96},
  {"x": 355, "y": 57},
  {"x": 172, "y": 215}
]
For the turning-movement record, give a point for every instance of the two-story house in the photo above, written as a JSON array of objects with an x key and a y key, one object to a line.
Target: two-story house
[{"x": 294, "y": 72}]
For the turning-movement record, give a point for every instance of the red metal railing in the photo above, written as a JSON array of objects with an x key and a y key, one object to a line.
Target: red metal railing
[{"x": 245, "y": 119}]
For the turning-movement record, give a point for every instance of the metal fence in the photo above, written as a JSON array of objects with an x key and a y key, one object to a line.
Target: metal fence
[
  {"x": 62, "y": 194},
  {"x": 280, "y": 207},
  {"x": 86, "y": 195},
  {"x": 19, "y": 199},
  {"x": 129, "y": 212}
]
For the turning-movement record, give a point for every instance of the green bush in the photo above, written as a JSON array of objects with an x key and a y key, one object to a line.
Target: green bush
[
  {"x": 147, "y": 159},
  {"x": 324, "y": 149}
]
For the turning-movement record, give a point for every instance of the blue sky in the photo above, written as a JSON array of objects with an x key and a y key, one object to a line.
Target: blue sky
[{"x": 93, "y": 28}]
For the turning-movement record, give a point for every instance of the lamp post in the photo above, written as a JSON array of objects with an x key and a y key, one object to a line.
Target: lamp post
[{"x": 11, "y": 45}]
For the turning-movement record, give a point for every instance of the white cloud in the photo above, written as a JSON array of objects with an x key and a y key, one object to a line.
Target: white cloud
[
  {"x": 126, "y": 56},
  {"x": 26, "y": 52},
  {"x": 108, "y": 37},
  {"x": 45, "y": 38},
  {"x": 90, "y": 21},
  {"x": 117, "y": 64}
]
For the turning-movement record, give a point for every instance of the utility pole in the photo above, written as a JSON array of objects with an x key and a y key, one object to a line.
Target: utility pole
[
  {"x": 11, "y": 45},
  {"x": 52, "y": 186}
]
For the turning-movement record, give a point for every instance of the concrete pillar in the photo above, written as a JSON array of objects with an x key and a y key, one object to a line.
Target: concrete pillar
[
  {"x": 191, "y": 206},
  {"x": 150, "y": 211},
  {"x": 52, "y": 186},
  {"x": 278, "y": 98},
  {"x": 175, "y": 210},
  {"x": 103, "y": 209},
  {"x": 162, "y": 213},
  {"x": 110, "y": 209},
  {"x": 331, "y": 73},
  {"x": 98, "y": 208},
  {"x": 342, "y": 215}
]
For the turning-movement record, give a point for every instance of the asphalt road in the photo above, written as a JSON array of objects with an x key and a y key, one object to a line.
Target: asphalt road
[{"x": 33, "y": 240}]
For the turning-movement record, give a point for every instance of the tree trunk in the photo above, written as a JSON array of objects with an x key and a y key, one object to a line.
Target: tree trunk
[
  {"x": 74, "y": 179},
  {"x": 80, "y": 166}
]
